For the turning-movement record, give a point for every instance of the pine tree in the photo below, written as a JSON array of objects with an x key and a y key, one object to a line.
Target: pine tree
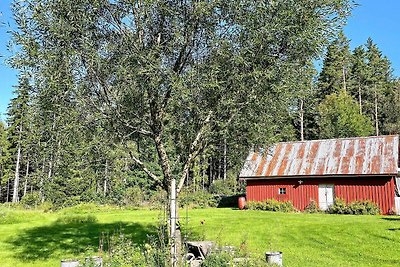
[
  {"x": 391, "y": 124},
  {"x": 336, "y": 67},
  {"x": 4, "y": 159},
  {"x": 305, "y": 102},
  {"x": 358, "y": 76},
  {"x": 378, "y": 81}
]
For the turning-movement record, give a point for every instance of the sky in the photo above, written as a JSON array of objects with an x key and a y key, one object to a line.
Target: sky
[{"x": 378, "y": 19}]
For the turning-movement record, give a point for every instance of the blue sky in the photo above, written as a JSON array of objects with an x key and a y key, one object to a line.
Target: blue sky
[{"x": 372, "y": 18}]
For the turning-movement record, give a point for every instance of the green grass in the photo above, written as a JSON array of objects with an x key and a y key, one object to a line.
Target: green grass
[{"x": 34, "y": 238}]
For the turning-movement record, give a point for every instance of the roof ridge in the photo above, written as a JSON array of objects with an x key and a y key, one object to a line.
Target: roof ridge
[{"x": 335, "y": 139}]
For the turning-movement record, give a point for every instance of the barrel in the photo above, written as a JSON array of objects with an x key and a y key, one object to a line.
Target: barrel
[{"x": 242, "y": 202}]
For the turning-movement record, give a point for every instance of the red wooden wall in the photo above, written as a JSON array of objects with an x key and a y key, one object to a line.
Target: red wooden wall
[{"x": 377, "y": 189}]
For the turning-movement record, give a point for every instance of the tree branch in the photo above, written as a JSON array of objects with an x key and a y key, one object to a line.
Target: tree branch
[
  {"x": 194, "y": 150},
  {"x": 143, "y": 167}
]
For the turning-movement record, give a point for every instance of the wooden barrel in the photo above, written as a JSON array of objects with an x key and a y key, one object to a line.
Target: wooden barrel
[{"x": 242, "y": 202}]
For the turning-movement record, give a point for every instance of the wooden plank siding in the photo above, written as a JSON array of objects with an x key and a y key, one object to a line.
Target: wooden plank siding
[{"x": 378, "y": 189}]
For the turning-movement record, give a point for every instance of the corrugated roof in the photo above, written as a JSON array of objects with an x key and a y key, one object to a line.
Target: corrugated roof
[{"x": 375, "y": 155}]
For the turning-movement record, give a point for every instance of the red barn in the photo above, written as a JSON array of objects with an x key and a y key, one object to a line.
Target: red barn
[{"x": 362, "y": 168}]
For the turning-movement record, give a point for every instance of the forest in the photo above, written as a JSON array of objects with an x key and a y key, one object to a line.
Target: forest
[{"x": 109, "y": 109}]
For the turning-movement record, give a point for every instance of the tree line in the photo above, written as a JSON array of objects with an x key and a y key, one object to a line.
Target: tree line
[{"x": 105, "y": 109}]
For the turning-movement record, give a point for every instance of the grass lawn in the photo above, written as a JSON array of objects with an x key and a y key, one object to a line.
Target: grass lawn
[{"x": 33, "y": 238}]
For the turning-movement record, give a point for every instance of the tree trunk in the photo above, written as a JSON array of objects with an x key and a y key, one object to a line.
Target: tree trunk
[
  {"x": 344, "y": 79},
  {"x": 41, "y": 193},
  {"x": 126, "y": 169},
  {"x": 203, "y": 171},
  {"x": 173, "y": 217},
  {"x": 225, "y": 161},
  {"x": 26, "y": 176},
  {"x": 169, "y": 183},
  {"x": 376, "y": 113},
  {"x": 105, "y": 179},
  {"x": 8, "y": 190},
  {"x": 211, "y": 178},
  {"x": 359, "y": 97},
  {"x": 219, "y": 168},
  {"x": 49, "y": 173},
  {"x": 51, "y": 158},
  {"x": 16, "y": 180},
  {"x": 301, "y": 120}
]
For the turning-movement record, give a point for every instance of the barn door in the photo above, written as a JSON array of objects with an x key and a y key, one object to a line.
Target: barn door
[{"x": 325, "y": 195}]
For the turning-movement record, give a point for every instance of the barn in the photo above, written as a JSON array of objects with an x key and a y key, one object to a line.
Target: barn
[{"x": 362, "y": 168}]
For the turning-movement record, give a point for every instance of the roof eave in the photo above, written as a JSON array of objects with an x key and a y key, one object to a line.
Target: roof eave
[{"x": 316, "y": 176}]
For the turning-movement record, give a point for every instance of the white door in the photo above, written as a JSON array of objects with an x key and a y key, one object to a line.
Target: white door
[{"x": 325, "y": 195}]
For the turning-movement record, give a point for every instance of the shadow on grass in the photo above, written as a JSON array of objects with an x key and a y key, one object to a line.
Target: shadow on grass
[
  {"x": 65, "y": 239},
  {"x": 391, "y": 218}
]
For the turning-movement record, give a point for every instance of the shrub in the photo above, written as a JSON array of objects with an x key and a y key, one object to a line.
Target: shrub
[
  {"x": 87, "y": 208},
  {"x": 271, "y": 205},
  {"x": 76, "y": 219},
  {"x": 254, "y": 262},
  {"x": 9, "y": 216},
  {"x": 339, "y": 207},
  {"x": 122, "y": 251},
  {"x": 286, "y": 206},
  {"x": 229, "y": 186},
  {"x": 46, "y": 206},
  {"x": 30, "y": 200},
  {"x": 312, "y": 207},
  {"x": 199, "y": 199},
  {"x": 158, "y": 200},
  {"x": 134, "y": 196},
  {"x": 364, "y": 207},
  {"x": 217, "y": 259}
]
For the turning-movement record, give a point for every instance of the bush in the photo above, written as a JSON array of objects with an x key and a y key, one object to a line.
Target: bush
[
  {"x": 134, "y": 196},
  {"x": 339, "y": 207},
  {"x": 199, "y": 199},
  {"x": 30, "y": 200},
  {"x": 271, "y": 205},
  {"x": 217, "y": 259},
  {"x": 312, "y": 207},
  {"x": 76, "y": 219},
  {"x": 122, "y": 251},
  {"x": 364, "y": 207},
  {"x": 254, "y": 262},
  {"x": 158, "y": 200},
  {"x": 86, "y": 208},
  {"x": 46, "y": 206},
  {"x": 226, "y": 187},
  {"x": 9, "y": 216}
]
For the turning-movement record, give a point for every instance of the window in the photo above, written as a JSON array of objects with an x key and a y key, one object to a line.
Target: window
[{"x": 282, "y": 191}]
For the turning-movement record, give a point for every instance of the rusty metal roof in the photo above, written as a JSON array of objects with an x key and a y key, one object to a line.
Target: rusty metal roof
[{"x": 375, "y": 155}]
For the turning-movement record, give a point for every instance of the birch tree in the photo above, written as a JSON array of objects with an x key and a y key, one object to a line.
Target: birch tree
[
  {"x": 176, "y": 72},
  {"x": 18, "y": 128}
]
